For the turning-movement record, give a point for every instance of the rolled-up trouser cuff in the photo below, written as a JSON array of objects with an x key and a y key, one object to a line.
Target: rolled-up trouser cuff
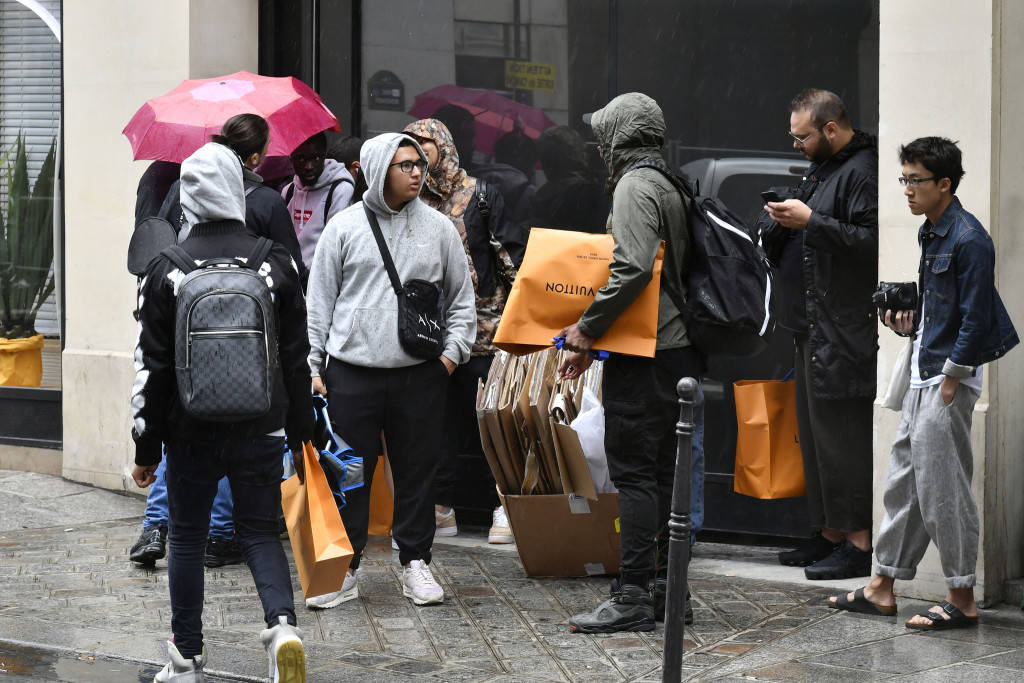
[
  {"x": 901, "y": 573},
  {"x": 954, "y": 582}
]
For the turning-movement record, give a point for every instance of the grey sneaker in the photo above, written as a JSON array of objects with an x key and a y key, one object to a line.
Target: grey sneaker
[
  {"x": 349, "y": 591},
  {"x": 629, "y": 610},
  {"x": 180, "y": 669},
  {"x": 285, "y": 654}
]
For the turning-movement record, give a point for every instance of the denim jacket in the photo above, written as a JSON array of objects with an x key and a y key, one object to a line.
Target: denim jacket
[{"x": 967, "y": 324}]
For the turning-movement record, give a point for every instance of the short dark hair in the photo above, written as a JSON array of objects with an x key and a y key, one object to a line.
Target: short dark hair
[
  {"x": 823, "y": 105},
  {"x": 346, "y": 150},
  {"x": 245, "y": 134},
  {"x": 406, "y": 142},
  {"x": 516, "y": 149},
  {"x": 940, "y": 156},
  {"x": 317, "y": 139}
]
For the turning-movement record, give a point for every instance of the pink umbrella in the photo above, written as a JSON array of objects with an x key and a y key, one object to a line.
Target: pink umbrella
[
  {"x": 172, "y": 126},
  {"x": 495, "y": 114}
]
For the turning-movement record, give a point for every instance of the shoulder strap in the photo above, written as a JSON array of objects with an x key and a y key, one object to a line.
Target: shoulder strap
[
  {"x": 250, "y": 187},
  {"x": 481, "y": 199},
  {"x": 289, "y": 193},
  {"x": 384, "y": 253},
  {"x": 330, "y": 198},
  {"x": 259, "y": 253},
  {"x": 179, "y": 257}
]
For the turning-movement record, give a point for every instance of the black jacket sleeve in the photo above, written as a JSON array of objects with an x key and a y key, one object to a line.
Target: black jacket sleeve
[
  {"x": 268, "y": 217},
  {"x": 154, "y": 389},
  {"x": 293, "y": 348},
  {"x": 503, "y": 226},
  {"x": 855, "y": 233}
]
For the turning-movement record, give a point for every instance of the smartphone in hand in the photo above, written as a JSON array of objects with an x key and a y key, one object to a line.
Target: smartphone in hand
[{"x": 770, "y": 196}]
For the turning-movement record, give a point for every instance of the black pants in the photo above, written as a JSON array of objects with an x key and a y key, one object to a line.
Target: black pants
[
  {"x": 253, "y": 468},
  {"x": 406, "y": 404},
  {"x": 641, "y": 408},
  {"x": 835, "y": 442},
  {"x": 461, "y": 434}
]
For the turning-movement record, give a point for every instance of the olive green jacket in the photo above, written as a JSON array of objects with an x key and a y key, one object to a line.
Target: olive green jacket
[{"x": 646, "y": 209}]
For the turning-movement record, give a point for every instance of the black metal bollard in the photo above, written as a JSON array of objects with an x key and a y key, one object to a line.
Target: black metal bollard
[{"x": 679, "y": 526}]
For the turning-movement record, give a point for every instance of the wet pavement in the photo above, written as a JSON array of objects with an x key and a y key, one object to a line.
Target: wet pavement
[{"x": 73, "y": 608}]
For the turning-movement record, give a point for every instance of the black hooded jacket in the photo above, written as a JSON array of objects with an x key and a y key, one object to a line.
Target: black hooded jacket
[{"x": 828, "y": 271}]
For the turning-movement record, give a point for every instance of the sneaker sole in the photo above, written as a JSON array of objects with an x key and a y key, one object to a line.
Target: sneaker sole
[
  {"x": 291, "y": 663},
  {"x": 500, "y": 539},
  {"x": 798, "y": 563},
  {"x": 446, "y": 531},
  {"x": 833, "y": 576},
  {"x": 634, "y": 626},
  {"x": 147, "y": 556},
  {"x": 420, "y": 601},
  {"x": 213, "y": 564},
  {"x": 350, "y": 594}
]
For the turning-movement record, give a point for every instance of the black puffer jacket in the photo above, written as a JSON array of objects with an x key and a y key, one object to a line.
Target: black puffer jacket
[{"x": 836, "y": 261}]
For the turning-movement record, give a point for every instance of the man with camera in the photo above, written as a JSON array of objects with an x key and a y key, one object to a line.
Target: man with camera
[
  {"x": 824, "y": 242},
  {"x": 958, "y": 324}
]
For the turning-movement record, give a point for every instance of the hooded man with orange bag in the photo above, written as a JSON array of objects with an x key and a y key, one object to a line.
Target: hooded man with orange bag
[{"x": 639, "y": 393}]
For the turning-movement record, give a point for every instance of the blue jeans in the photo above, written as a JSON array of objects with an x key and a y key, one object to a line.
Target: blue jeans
[
  {"x": 221, "y": 525},
  {"x": 253, "y": 468}
]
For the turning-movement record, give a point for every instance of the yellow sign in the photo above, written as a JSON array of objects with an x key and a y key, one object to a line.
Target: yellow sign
[{"x": 529, "y": 76}]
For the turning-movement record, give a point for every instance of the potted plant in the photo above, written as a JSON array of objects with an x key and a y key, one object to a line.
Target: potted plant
[{"x": 26, "y": 266}]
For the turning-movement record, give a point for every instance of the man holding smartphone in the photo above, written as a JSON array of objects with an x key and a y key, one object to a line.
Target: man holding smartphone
[
  {"x": 824, "y": 244},
  {"x": 960, "y": 323}
]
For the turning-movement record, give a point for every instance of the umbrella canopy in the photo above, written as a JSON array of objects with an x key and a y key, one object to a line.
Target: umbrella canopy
[
  {"x": 495, "y": 114},
  {"x": 172, "y": 126}
]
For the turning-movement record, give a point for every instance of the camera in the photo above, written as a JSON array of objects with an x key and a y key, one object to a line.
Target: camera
[{"x": 895, "y": 296}]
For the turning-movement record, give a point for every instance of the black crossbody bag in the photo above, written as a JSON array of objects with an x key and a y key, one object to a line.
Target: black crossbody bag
[{"x": 419, "y": 323}]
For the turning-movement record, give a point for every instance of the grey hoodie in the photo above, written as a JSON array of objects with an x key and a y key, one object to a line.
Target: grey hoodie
[
  {"x": 211, "y": 185},
  {"x": 306, "y": 206},
  {"x": 352, "y": 309}
]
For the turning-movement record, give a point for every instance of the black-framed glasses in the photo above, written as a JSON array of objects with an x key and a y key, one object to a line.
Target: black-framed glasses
[
  {"x": 914, "y": 182},
  {"x": 407, "y": 165}
]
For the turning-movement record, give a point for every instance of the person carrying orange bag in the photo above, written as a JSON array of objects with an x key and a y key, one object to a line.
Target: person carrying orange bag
[{"x": 639, "y": 392}]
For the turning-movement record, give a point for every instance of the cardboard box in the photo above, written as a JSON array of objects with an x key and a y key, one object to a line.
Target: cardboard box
[{"x": 565, "y": 535}]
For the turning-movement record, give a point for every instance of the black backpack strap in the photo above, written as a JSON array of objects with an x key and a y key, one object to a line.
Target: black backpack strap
[
  {"x": 259, "y": 253},
  {"x": 481, "y": 199},
  {"x": 330, "y": 198},
  {"x": 384, "y": 253},
  {"x": 250, "y": 187},
  {"x": 179, "y": 257},
  {"x": 289, "y": 193}
]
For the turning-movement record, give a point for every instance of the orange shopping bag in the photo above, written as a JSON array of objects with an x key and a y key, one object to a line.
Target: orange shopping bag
[
  {"x": 319, "y": 542},
  {"x": 382, "y": 505},
  {"x": 559, "y": 278},
  {"x": 768, "y": 461}
]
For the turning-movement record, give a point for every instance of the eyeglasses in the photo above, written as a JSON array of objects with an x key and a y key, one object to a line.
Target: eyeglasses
[
  {"x": 914, "y": 182},
  {"x": 407, "y": 166},
  {"x": 801, "y": 140}
]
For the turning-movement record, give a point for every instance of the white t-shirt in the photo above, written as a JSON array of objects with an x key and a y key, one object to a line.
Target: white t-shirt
[{"x": 915, "y": 372}]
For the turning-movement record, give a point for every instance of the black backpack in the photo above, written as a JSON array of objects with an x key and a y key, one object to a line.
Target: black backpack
[
  {"x": 728, "y": 278},
  {"x": 225, "y": 336}
]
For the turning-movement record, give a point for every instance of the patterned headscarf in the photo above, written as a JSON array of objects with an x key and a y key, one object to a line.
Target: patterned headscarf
[{"x": 444, "y": 178}]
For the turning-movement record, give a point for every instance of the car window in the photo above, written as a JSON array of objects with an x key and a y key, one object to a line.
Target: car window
[{"x": 742, "y": 192}]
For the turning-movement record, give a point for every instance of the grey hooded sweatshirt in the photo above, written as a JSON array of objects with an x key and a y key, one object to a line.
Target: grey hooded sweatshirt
[
  {"x": 351, "y": 306},
  {"x": 307, "y": 204}
]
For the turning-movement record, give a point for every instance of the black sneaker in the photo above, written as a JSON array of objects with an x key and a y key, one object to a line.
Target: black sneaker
[
  {"x": 629, "y": 610},
  {"x": 813, "y": 549},
  {"x": 658, "y": 591},
  {"x": 847, "y": 562},
  {"x": 222, "y": 551},
  {"x": 151, "y": 546}
]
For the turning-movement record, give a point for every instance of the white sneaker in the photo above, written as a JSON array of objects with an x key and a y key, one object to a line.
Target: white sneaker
[
  {"x": 419, "y": 584},
  {"x": 444, "y": 523},
  {"x": 285, "y": 654},
  {"x": 394, "y": 544},
  {"x": 181, "y": 670},
  {"x": 500, "y": 531},
  {"x": 349, "y": 591}
]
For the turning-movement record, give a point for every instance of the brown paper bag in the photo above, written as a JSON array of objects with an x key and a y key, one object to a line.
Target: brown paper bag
[
  {"x": 559, "y": 278},
  {"x": 768, "y": 461},
  {"x": 319, "y": 542},
  {"x": 382, "y": 504}
]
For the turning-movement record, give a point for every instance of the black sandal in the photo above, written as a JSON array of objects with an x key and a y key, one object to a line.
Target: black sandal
[
  {"x": 957, "y": 619},
  {"x": 862, "y": 605}
]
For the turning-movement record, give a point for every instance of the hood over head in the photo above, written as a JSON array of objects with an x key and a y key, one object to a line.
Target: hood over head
[
  {"x": 447, "y": 175},
  {"x": 374, "y": 159},
  {"x": 562, "y": 152},
  {"x": 211, "y": 185},
  {"x": 629, "y": 128}
]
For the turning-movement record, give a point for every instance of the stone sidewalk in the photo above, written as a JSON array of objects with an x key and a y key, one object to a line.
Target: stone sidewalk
[{"x": 74, "y": 609}]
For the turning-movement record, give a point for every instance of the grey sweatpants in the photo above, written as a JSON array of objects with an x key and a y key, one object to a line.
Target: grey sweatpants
[{"x": 928, "y": 491}]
